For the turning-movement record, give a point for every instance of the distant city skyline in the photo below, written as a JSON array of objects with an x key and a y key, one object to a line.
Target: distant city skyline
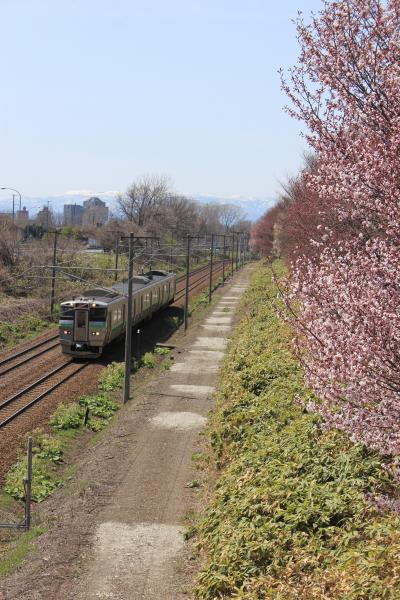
[
  {"x": 97, "y": 93},
  {"x": 253, "y": 208}
]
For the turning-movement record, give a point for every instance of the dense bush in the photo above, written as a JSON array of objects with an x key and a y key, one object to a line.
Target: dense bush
[{"x": 292, "y": 513}]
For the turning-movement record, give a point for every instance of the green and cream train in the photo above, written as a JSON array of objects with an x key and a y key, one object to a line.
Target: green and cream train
[{"x": 90, "y": 321}]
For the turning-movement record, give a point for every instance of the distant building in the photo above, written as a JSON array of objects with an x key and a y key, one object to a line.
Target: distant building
[
  {"x": 95, "y": 213},
  {"x": 44, "y": 218},
  {"x": 22, "y": 219},
  {"x": 73, "y": 214}
]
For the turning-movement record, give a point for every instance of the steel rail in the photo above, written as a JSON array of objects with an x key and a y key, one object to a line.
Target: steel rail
[
  {"x": 26, "y": 350},
  {"x": 195, "y": 284},
  {"x": 29, "y": 358},
  {"x": 41, "y": 395}
]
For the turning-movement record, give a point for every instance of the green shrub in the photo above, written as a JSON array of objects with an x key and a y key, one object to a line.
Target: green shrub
[
  {"x": 99, "y": 405},
  {"x": 111, "y": 377},
  {"x": 67, "y": 416},
  {"x": 48, "y": 447},
  {"x": 289, "y": 517},
  {"x": 44, "y": 481},
  {"x": 148, "y": 360}
]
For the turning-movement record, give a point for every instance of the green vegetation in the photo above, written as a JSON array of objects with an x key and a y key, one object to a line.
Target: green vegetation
[
  {"x": 174, "y": 322},
  {"x": 26, "y": 326},
  {"x": 112, "y": 377},
  {"x": 22, "y": 546},
  {"x": 148, "y": 360},
  {"x": 197, "y": 301},
  {"x": 290, "y": 515},
  {"x": 161, "y": 351},
  {"x": 44, "y": 481},
  {"x": 67, "y": 416}
]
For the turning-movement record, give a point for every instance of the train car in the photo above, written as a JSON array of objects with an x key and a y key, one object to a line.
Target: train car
[{"x": 90, "y": 321}]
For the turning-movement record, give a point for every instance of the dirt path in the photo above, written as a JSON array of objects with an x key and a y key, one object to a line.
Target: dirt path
[{"x": 117, "y": 531}]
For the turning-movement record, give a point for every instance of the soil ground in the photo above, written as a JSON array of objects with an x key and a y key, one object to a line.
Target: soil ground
[{"x": 115, "y": 531}]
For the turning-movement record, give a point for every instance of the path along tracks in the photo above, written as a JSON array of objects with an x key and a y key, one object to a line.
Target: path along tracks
[{"x": 22, "y": 362}]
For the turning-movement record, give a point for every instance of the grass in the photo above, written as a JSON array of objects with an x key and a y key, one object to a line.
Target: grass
[
  {"x": 22, "y": 545},
  {"x": 289, "y": 515},
  {"x": 26, "y": 327}
]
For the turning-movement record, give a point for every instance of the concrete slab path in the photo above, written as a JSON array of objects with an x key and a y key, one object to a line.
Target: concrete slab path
[{"x": 138, "y": 551}]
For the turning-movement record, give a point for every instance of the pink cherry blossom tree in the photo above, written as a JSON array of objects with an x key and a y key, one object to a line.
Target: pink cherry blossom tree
[{"x": 346, "y": 90}]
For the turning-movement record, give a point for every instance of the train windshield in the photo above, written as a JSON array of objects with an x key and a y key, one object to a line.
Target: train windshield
[
  {"x": 98, "y": 314},
  {"x": 67, "y": 313}
]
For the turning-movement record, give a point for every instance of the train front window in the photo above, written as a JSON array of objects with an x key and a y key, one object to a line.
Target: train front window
[
  {"x": 67, "y": 314},
  {"x": 98, "y": 314}
]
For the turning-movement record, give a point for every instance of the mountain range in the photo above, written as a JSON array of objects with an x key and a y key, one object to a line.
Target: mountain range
[{"x": 253, "y": 208}]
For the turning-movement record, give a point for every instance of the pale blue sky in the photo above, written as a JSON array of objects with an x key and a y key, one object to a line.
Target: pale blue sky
[{"x": 96, "y": 92}]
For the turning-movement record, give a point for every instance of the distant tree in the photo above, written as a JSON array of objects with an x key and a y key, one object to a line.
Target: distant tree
[
  {"x": 34, "y": 231},
  {"x": 230, "y": 215},
  {"x": 143, "y": 198},
  {"x": 8, "y": 242}
]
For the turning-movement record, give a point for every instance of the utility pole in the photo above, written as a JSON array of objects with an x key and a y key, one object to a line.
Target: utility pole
[
  {"x": 211, "y": 268},
  {"x": 47, "y": 215},
  {"x": 223, "y": 262},
  {"x": 53, "y": 273},
  {"x": 128, "y": 331},
  {"x": 116, "y": 258},
  {"x": 237, "y": 249},
  {"x": 187, "y": 281},
  {"x": 13, "y": 218},
  {"x": 232, "y": 251}
]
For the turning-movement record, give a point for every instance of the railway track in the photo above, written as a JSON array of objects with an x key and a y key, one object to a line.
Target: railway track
[
  {"x": 24, "y": 399},
  {"x": 198, "y": 279},
  {"x": 21, "y": 358}
]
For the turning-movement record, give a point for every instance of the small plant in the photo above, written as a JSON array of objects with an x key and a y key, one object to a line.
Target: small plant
[
  {"x": 43, "y": 481},
  {"x": 67, "y": 417},
  {"x": 99, "y": 405},
  {"x": 48, "y": 447},
  {"x": 96, "y": 424},
  {"x": 148, "y": 360},
  {"x": 111, "y": 377},
  {"x": 161, "y": 351}
]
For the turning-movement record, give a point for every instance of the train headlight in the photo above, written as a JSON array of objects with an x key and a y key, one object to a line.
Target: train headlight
[
  {"x": 97, "y": 332},
  {"x": 66, "y": 332}
]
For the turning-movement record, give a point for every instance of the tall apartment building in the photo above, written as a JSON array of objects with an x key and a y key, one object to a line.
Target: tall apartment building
[
  {"x": 95, "y": 213},
  {"x": 73, "y": 214}
]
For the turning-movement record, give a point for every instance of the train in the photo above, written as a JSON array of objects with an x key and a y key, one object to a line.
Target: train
[{"x": 92, "y": 320}]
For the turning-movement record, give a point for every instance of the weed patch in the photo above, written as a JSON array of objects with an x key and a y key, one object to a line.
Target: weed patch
[
  {"x": 148, "y": 360},
  {"x": 21, "y": 548}
]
